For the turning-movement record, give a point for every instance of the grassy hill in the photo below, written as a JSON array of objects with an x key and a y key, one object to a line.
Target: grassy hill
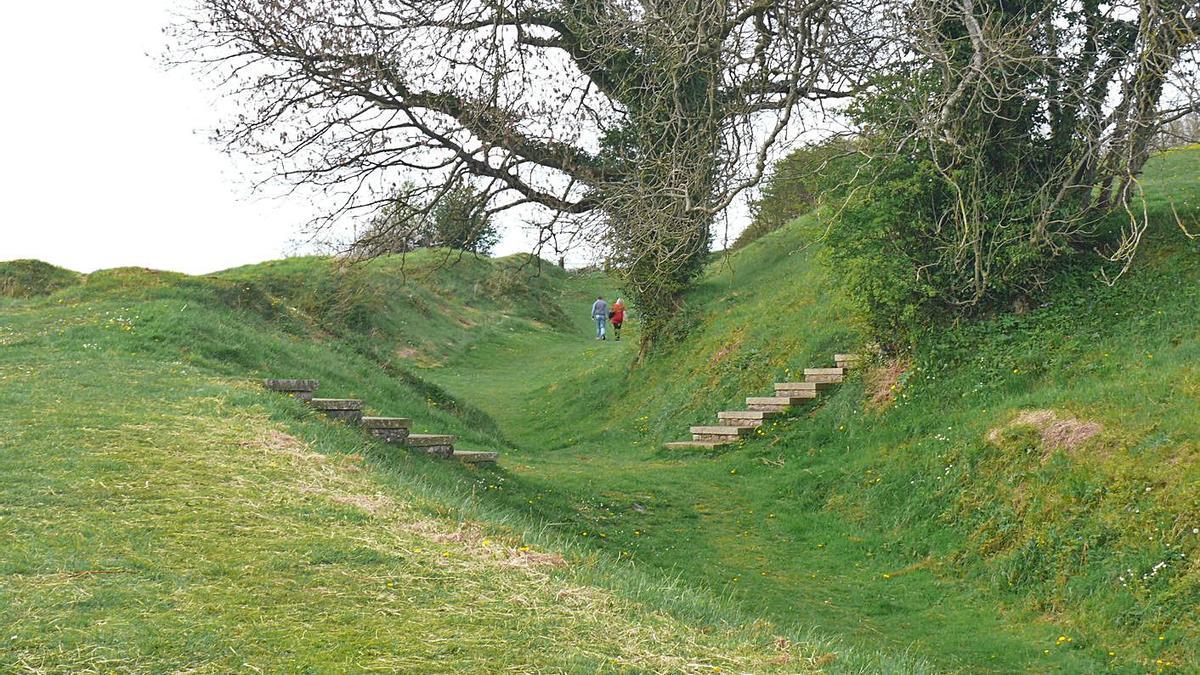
[
  {"x": 966, "y": 520},
  {"x": 1018, "y": 496},
  {"x": 30, "y": 278},
  {"x": 159, "y": 511}
]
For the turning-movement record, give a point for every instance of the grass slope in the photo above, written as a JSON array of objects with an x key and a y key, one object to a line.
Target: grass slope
[
  {"x": 908, "y": 530},
  {"x": 903, "y": 528},
  {"x": 158, "y": 511},
  {"x": 31, "y": 278}
]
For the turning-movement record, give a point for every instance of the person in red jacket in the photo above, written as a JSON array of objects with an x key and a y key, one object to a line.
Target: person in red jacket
[{"x": 617, "y": 315}]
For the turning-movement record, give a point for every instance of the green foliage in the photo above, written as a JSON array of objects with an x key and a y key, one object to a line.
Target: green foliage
[
  {"x": 459, "y": 221},
  {"x": 890, "y": 249},
  {"x": 31, "y": 278},
  {"x": 797, "y": 183},
  {"x": 992, "y": 171}
]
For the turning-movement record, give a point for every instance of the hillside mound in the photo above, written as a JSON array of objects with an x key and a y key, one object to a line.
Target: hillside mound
[{"x": 33, "y": 278}]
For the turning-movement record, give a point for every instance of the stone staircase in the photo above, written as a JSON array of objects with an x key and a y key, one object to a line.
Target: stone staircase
[
  {"x": 392, "y": 430},
  {"x": 733, "y": 426}
]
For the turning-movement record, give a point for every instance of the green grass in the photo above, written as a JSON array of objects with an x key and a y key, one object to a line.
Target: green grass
[
  {"x": 903, "y": 528},
  {"x": 160, "y": 512},
  {"x": 903, "y": 531},
  {"x": 31, "y": 278}
]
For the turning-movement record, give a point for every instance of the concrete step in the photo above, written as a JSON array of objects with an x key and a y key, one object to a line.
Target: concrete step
[
  {"x": 745, "y": 418},
  {"x": 475, "y": 457},
  {"x": 301, "y": 389},
  {"x": 761, "y": 415},
  {"x": 337, "y": 404},
  {"x": 774, "y": 403},
  {"x": 722, "y": 431},
  {"x": 800, "y": 387},
  {"x": 435, "y": 444},
  {"x": 690, "y": 445},
  {"x": 347, "y": 416},
  {"x": 824, "y": 375},
  {"x": 387, "y": 422},
  {"x": 740, "y": 422},
  {"x": 419, "y": 440}
]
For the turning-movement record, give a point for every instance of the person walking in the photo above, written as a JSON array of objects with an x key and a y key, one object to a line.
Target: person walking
[
  {"x": 600, "y": 314},
  {"x": 617, "y": 316}
]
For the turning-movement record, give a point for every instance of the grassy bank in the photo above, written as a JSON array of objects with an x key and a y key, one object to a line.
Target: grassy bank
[
  {"x": 1016, "y": 496},
  {"x": 158, "y": 511},
  {"x": 931, "y": 523}
]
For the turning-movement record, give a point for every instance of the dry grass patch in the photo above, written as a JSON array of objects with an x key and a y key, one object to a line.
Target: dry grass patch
[
  {"x": 1056, "y": 433},
  {"x": 884, "y": 383}
]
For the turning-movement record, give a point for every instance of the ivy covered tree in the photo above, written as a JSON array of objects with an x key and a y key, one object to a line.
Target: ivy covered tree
[{"x": 1003, "y": 138}]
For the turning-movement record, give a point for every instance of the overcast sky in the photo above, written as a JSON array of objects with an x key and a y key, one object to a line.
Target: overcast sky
[{"x": 105, "y": 159}]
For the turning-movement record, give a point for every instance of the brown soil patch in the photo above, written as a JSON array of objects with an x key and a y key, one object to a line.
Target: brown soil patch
[
  {"x": 883, "y": 383},
  {"x": 1057, "y": 433}
]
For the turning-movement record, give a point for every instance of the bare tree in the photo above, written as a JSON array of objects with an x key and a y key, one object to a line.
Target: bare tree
[{"x": 631, "y": 122}]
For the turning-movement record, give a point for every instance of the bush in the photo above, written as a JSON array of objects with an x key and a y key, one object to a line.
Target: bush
[{"x": 891, "y": 253}]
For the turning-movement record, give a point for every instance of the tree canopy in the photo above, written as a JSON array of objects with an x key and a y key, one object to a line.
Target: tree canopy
[{"x": 632, "y": 124}]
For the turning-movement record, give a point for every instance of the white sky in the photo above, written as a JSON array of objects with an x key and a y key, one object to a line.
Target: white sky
[{"x": 104, "y": 157}]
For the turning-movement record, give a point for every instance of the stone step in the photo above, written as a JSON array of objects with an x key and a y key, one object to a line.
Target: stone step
[
  {"x": 301, "y": 389},
  {"x": 827, "y": 375},
  {"x": 347, "y": 416},
  {"x": 435, "y": 444},
  {"x": 740, "y": 422},
  {"x": 774, "y": 403},
  {"x": 745, "y": 418},
  {"x": 337, "y": 404},
  {"x": 419, "y": 440},
  {"x": 388, "y": 429},
  {"x": 387, "y": 422},
  {"x": 475, "y": 457},
  {"x": 687, "y": 445}
]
